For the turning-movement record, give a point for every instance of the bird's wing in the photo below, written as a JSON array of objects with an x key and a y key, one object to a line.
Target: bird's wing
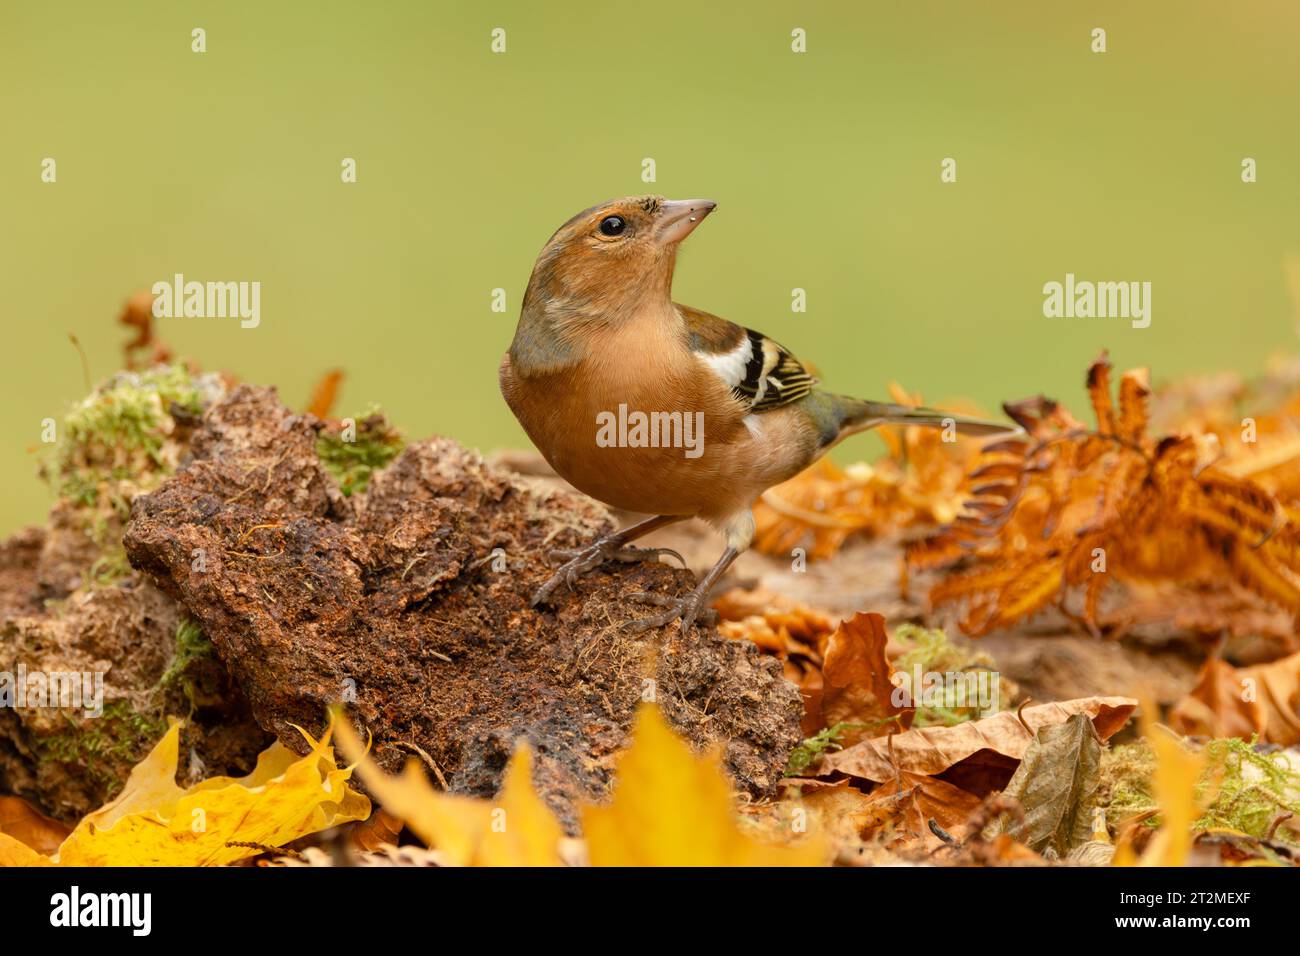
[{"x": 761, "y": 373}]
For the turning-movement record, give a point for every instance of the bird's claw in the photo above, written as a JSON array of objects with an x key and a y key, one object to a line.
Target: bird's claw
[
  {"x": 688, "y": 608},
  {"x": 632, "y": 555},
  {"x": 579, "y": 561}
]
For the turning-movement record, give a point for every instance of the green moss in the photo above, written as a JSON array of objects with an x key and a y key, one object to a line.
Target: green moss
[
  {"x": 824, "y": 741},
  {"x": 121, "y": 430},
  {"x": 1125, "y": 785},
  {"x": 192, "y": 646},
  {"x": 105, "y": 747},
  {"x": 1247, "y": 789},
  {"x": 930, "y": 650},
  {"x": 353, "y": 462},
  {"x": 1250, "y": 790},
  {"x": 110, "y": 567},
  {"x": 117, "y": 442}
]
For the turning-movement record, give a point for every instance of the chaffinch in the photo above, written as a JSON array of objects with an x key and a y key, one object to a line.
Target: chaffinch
[{"x": 659, "y": 408}]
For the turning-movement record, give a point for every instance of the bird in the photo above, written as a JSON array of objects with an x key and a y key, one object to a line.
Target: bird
[{"x": 662, "y": 409}]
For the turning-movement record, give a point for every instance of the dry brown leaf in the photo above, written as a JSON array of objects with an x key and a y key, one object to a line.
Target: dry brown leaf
[
  {"x": 325, "y": 394},
  {"x": 382, "y": 829},
  {"x": 1229, "y": 701},
  {"x": 776, "y": 623},
  {"x": 137, "y": 314},
  {"x": 856, "y": 685},
  {"x": 20, "y": 820},
  {"x": 975, "y": 755},
  {"x": 1056, "y": 785},
  {"x": 903, "y": 807}
]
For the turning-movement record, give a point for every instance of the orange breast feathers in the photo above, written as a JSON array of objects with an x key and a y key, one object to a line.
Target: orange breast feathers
[{"x": 640, "y": 423}]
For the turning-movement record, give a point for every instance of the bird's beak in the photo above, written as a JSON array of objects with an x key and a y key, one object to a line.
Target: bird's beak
[{"x": 679, "y": 217}]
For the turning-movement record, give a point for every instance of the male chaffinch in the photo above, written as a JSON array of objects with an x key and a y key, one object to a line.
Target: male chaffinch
[{"x": 725, "y": 412}]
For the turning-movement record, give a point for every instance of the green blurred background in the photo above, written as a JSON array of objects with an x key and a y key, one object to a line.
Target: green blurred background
[{"x": 225, "y": 166}]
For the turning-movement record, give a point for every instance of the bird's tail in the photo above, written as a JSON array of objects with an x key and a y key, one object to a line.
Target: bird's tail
[{"x": 858, "y": 416}]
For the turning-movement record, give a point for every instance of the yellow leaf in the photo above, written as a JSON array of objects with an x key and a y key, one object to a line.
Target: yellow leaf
[
  {"x": 1173, "y": 785},
  {"x": 528, "y": 834},
  {"x": 672, "y": 808},
  {"x": 516, "y": 829},
  {"x": 154, "y": 822}
]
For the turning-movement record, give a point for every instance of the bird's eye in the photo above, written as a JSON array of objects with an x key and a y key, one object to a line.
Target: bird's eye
[{"x": 612, "y": 226}]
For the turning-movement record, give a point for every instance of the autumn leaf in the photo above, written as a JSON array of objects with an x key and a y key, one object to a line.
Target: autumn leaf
[
  {"x": 137, "y": 314},
  {"x": 515, "y": 829},
  {"x": 14, "y": 852},
  {"x": 154, "y": 822},
  {"x": 856, "y": 685},
  {"x": 1056, "y": 784},
  {"x": 284, "y": 798},
  {"x": 904, "y": 807},
  {"x": 1174, "y": 786},
  {"x": 792, "y": 631},
  {"x": 1228, "y": 701},
  {"x": 787, "y": 626},
  {"x": 325, "y": 394},
  {"x": 382, "y": 829},
  {"x": 673, "y": 808},
  {"x": 669, "y": 808},
  {"x": 24, "y": 823},
  {"x": 843, "y": 812},
  {"x": 986, "y": 751}
]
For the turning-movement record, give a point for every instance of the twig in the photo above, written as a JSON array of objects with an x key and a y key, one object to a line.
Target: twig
[{"x": 432, "y": 764}]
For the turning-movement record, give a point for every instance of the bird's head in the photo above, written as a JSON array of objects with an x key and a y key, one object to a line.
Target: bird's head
[{"x": 613, "y": 257}]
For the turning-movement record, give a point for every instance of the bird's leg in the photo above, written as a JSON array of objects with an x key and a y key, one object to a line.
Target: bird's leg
[
  {"x": 612, "y": 547},
  {"x": 689, "y": 606}
]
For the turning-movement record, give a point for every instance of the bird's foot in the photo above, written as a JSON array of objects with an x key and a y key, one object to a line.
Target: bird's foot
[
  {"x": 579, "y": 561},
  {"x": 688, "y": 608}
]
